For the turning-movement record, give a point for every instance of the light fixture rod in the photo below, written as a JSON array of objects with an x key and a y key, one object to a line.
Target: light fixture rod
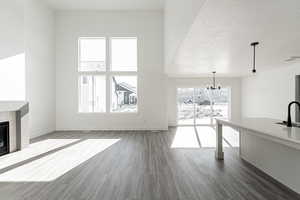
[
  {"x": 254, "y": 44},
  {"x": 214, "y": 79}
]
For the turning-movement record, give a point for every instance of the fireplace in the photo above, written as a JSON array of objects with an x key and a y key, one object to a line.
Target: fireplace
[{"x": 4, "y": 138}]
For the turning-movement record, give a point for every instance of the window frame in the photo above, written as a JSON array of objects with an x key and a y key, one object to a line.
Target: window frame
[{"x": 108, "y": 74}]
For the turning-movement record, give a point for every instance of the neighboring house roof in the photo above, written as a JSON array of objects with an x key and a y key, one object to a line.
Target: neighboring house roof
[{"x": 127, "y": 87}]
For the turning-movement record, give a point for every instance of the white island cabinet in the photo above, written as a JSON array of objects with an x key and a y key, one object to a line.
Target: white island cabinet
[{"x": 271, "y": 147}]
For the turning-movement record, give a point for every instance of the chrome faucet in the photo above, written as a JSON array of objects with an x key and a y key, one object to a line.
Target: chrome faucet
[{"x": 289, "y": 119}]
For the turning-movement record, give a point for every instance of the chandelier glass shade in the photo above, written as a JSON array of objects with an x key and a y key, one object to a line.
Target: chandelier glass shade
[{"x": 214, "y": 86}]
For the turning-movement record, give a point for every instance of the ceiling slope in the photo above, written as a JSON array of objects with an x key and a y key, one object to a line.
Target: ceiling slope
[
  {"x": 220, "y": 37},
  {"x": 179, "y": 16}
]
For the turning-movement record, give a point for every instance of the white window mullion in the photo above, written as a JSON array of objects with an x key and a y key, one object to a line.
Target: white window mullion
[
  {"x": 108, "y": 77},
  {"x": 194, "y": 103},
  {"x": 93, "y": 93}
]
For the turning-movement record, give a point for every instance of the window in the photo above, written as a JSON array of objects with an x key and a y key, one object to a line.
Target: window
[
  {"x": 107, "y": 75},
  {"x": 124, "y": 54},
  {"x": 92, "y": 96},
  {"x": 92, "y": 54},
  {"x": 124, "y": 94}
]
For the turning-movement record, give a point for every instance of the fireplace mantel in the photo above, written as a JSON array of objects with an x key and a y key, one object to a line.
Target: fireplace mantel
[
  {"x": 9, "y": 106},
  {"x": 16, "y": 113}
]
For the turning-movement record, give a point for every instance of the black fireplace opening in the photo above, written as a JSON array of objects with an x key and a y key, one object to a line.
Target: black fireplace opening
[{"x": 4, "y": 138}]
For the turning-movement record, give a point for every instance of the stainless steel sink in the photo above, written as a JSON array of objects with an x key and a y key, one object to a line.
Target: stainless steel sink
[{"x": 293, "y": 124}]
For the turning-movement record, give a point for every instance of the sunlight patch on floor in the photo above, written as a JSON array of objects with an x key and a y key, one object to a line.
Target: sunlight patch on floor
[
  {"x": 33, "y": 150},
  {"x": 52, "y": 166},
  {"x": 185, "y": 137},
  {"x": 203, "y": 137}
]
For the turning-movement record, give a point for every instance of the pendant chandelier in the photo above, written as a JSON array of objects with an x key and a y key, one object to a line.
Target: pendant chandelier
[
  {"x": 213, "y": 86},
  {"x": 254, "y": 44}
]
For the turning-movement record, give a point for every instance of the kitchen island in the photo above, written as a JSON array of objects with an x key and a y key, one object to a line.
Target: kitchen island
[{"x": 269, "y": 146}]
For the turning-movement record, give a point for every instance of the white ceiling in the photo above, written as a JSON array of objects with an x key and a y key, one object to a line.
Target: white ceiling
[
  {"x": 220, "y": 37},
  {"x": 106, "y": 4}
]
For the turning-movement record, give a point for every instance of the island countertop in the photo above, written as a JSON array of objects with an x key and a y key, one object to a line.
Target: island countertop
[{"x": 267, "y": 128}]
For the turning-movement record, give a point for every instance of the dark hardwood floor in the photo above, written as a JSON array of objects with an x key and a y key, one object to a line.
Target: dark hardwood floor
[{"x": 130, "y": 165}]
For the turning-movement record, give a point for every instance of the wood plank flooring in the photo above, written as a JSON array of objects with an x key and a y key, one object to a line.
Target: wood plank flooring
[{"x": 130, "y": 165}]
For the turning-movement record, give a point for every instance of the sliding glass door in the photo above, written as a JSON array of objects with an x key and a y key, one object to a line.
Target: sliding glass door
[
  {"x": 203, "y": 104},
  {"x": 199, "y": 106},
  {"x": 185, "y": 106}
]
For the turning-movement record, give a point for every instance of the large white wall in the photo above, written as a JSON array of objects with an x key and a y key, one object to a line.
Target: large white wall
[
  {"x": 40, "y": 67},
  {"x": 173, "y": 83},
  {"x": 12, "y": 52},
  {"x": 148, "y": 27},
  {"x": 179, "y": 15},
  {"x": 268, "y": 93}
]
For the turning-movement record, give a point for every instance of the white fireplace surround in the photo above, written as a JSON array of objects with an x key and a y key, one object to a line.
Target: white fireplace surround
[{"x": 16, "y": 113}]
